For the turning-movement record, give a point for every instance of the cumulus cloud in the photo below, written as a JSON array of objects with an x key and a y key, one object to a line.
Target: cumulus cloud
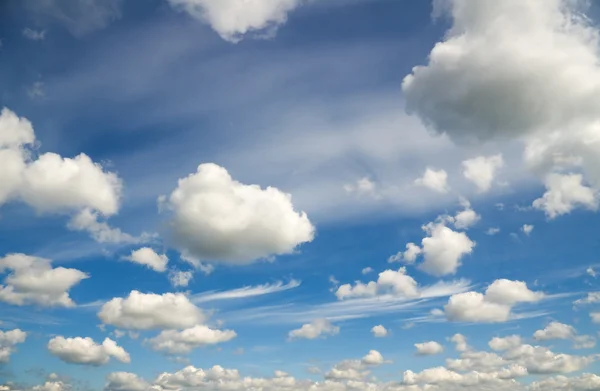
[
  {"x": 434, "y": 180},
  {"x": 429, "y": 348},
  {"x": 519, "y": 69},
  {"x": 564, "y": 193},
  {"x": 50, "y": 183},
  {"x": 443, "y": 249},
  {"x": 88, "y": 221},
  {"x": 314, "y": 329},
  {"x": 85, "y": 351},
  {"x": 125, "y": 381},
  {"x": 144, "y": 311},
  {"x": 8, "y": 342},
  {"x": 591, "y": 298},
  {"x": 390, "y": 281},
  {"x": 482, "y": 170},
  {"x": 219, "y": 219},
  {"x": 180, "y": 278},
  {"x": 33, "y": 280},
  {"x": 233, "y": 19},
  {"x": 467, "y": 217},
  {"x": 379, "y": 331},
  {"x": 492, "y": 307},
  {"x": 555, "y": 330},
  {"x": 182, "y": 342},
  {"x": 505, "y": 343},
  {"x": 409, "y": 256},
  {"x": 148, "y": 257},
  {"x": 364, "y": 187}
]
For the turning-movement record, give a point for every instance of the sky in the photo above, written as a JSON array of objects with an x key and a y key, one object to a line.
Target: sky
[{"x": 323, "y": 195}]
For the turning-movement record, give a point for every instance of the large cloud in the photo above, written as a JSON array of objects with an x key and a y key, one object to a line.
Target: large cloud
[
  {"x": 144, "y": 311},
  {"x": 219, "y": 219},
  {"x": 232, "y": 19},
  {"x": 518, "y": 68},
  {"x": 85, "y": 351},
  {"x": 33, "y": 280}
]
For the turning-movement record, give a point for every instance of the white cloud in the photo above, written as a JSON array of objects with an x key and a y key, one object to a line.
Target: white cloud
[
  {"x": 315, "y": 329},
  {"x": 502, "y": 57},
  {"x": 85, "y": 351},
  {"x": 397, "y": 283},
  {"x": 527, "y": 228},
  {"x": 373, "y": 358},
  {"x": 34, "y": 35},
  {"x": 125, "y": 381},
  {"x": 482, "y": 170},
  {"x": 505, "y": 343},
  {"x": 443, "y": 249},
  {"x": 492, "y": 231},
  {"x": 555, "y": 330},
  {"x": 595, "y": 317},
  {"x": 148, "y": 257},
  {"x": 591, "y": 298},
  {"x": 144, "y": 311},
  {"x": 564, "y": 193},
  {"x": 584, "y": 382},
  {"x": 492, "y": 307},
  {"x": 467, "y": 217},
  {"x": 8, "y": 342},
  {"x": 219, "y": 219},
  {"x": 87, "y": 220},
  {"x": 367, "y": 270},
  {"x": 434, "y": 180},
  {"x": 179, "y": 278},
  {"x": 584, "y": 342},
  {"x": 233, "y": 19},
  {"x": 181, "y": 342},
  {"x": 429, "y": 348},
  {"x": 409, "y": 256},
  {"x": 245, "y": 292},
  {"x": 460, "y": 342},
  {"x": 379, "y": 331},
  {"x": 591, "y": 272},
  {"x": 34, "y": 281},
  {"x": 363, "y": 186}
]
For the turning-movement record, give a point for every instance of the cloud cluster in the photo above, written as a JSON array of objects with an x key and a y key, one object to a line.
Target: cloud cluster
[
  {"x": 182, "y": 342},
  {"x": 314, "y": 329},
  {"x": 216, "y": 218},
  {"x": 519, "y": 69},
  {"x": 33, "y": 280}
]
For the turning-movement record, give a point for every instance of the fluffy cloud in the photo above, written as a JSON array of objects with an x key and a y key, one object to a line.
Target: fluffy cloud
[
  {"x": 125, "y": 381},
  {"x": 555, "y": 330},
  {"x": 518, "y": 69},
  {"x": 180, "y": 278},
  {"x": 465, "y": 218},
  {"x": 379, "y": 331},
  {"x": 482, "y": 170},
  {"x": 363, "y": 186},
  {"x": 429, "y": 348},
  {"x": 85, "y": 351},
  {"x": 33, "y": 280},
  {"x": 393, "y": 282},
  {"x": 564, "y": 193},
  {"x": 595, "y": 317},
  {"x": 493, "y": 306},
  {"x": 505, "y": 343},
  {"x": 434, "y": 180},
  {"x": 180, "y": 342},
  {"x": 219, "y": 219},
  {"x": 443, "y": 249},
  {"x": 314, "y": 329},
  {"x": 50, "y": 182},
  {"x": 143, "y": 311},
  {"x": 148, "y": 257},
  {"x": 460, "y": 342},
  {"x": 591, "y": 298},
  {"x": 527, "y": 228},
  {"x": 8, "y": 341},
  {"x": 584, "y": 382},
  {"x": 87, "y": 220},
  {"x": 409, "y": 256},
  {"x": 233, "y": 19}
]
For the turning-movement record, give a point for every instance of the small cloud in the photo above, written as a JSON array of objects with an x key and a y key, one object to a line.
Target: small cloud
[
  {"x": 36, "y": 91},
  {"x": 367, "y": 270},
  {"x": 591, "y": 272},
  {"x": 526, "y": 229},
  {"x": 34, "y": 35},
  {"x": 492, "y": 231}
]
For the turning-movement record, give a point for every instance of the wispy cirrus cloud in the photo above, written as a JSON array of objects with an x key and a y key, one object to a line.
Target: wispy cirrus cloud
[{"x": 245, "y": 292}]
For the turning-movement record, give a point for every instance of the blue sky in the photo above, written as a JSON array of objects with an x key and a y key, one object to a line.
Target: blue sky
[{"x": 299, "y": 195}]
